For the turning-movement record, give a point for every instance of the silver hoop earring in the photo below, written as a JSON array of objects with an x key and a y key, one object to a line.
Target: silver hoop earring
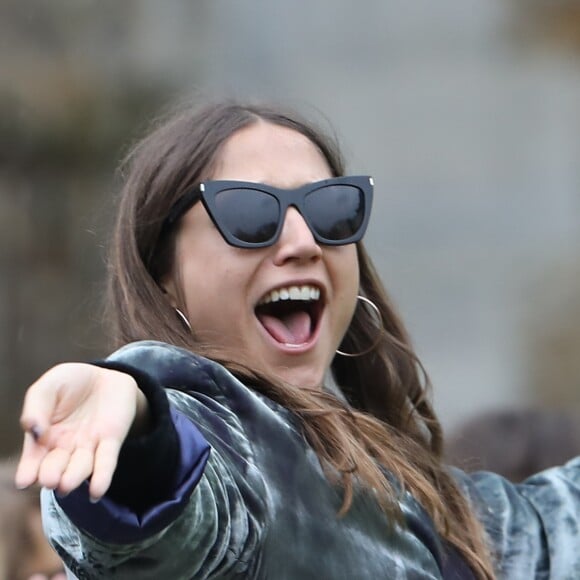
[
  {"x": 183, "y": 319},
  {"x": 379, "y": 323}
]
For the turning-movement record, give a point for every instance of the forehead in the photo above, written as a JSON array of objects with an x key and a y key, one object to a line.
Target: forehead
[{"x": 272, "y": 154}]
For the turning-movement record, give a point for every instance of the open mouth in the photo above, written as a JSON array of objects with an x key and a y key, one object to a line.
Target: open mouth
[{"x": 291, "y": 314}]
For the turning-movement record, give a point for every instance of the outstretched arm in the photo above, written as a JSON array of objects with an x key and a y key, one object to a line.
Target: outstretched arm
[
  {"x": 532, "y": 526},
  {"x": 168, "y": 495}
]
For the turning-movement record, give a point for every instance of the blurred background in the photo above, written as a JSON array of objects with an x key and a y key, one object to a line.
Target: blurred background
[{"x": 467, "y": 112}]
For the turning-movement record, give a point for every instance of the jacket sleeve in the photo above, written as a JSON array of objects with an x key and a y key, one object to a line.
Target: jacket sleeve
[
  {"x": 532, "y": 527},
  {"x": 211, "y": 522}
]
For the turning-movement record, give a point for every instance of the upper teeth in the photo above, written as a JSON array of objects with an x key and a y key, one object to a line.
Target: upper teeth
[{"x": 292, "y": 293}]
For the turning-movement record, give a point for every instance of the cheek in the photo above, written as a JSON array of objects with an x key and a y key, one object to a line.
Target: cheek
[
  {"x": 347, "y": 280},
  {"x": 214, "y": 289},
  {"x": 350, "y": 271}
]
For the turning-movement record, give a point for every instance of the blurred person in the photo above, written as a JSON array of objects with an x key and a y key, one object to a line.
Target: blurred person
[
  {"x": 265, "y": 415},
  {"x": 515, "y": 443},
  {"x": 25, "y": 553}
]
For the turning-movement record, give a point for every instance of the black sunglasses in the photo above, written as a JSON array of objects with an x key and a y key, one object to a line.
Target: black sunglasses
[{"x": 251, "y": 215}]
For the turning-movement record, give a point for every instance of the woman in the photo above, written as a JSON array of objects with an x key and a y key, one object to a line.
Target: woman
[{"x": 316, "y": 454}]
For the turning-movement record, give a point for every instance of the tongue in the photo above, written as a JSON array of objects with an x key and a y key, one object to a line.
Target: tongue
[{"x": 292, "y": 328}]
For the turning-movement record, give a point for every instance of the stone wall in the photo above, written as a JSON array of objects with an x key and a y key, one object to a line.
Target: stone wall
[{"x": 71, "y": 101}]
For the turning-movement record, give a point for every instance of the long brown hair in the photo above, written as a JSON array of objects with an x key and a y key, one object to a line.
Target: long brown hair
[{"x": 389, "y": 421}]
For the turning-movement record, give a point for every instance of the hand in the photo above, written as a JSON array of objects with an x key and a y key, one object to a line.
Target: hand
[{"x": 75, "y": 418}]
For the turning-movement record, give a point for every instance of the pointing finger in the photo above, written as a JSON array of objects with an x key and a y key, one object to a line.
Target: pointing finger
[{"x": 27, "y": 470}]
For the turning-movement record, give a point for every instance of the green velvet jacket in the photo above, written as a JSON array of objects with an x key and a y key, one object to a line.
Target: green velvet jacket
[{"x": 241, "y": 494}]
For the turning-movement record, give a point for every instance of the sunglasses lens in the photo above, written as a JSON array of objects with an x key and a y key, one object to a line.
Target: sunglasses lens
[
  {"x": 336, "y": 212},
  {"x": 248, "y": 215}
]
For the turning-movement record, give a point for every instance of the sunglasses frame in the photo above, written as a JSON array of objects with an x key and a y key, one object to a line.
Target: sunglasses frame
[{"x": 206, "y": 191}]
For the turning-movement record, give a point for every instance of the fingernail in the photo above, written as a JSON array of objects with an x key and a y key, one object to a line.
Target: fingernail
[
  {"x": 36, "y": 432},
  {"x": 94, "y": 499}
]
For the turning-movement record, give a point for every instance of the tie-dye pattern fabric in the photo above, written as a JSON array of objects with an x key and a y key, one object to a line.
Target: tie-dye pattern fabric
[{"x": 263, "y": 508}]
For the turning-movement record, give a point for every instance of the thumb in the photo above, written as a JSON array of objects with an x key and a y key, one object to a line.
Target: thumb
[{"x": 39, "y": 404}]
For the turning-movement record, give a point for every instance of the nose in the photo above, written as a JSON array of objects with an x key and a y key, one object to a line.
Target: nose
[{"x": 296, "y": 241}]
